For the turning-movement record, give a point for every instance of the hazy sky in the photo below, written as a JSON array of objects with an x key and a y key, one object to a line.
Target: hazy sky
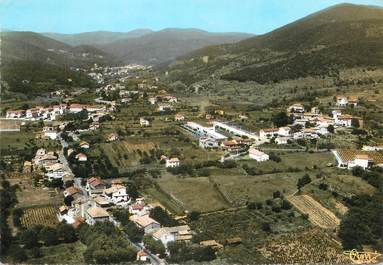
[{"x": 72, "y": 16}]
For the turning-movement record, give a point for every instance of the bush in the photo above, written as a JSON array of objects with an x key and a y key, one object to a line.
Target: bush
[{"x": 274, "y": 157}]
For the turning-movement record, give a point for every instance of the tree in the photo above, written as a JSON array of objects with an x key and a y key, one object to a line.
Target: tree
[
  {"x": 17, "y": 253},
  {"x": 162, "y": 216},
  {"x": 135, "y": 234},
  {"x": 49, "y": 236},
  {"x": 303, "y": 181},
  {"x": 204, "y": 254},
  {"x": 331, "y": 128},
  {"x": 154, "y": 246},
  {"x": 29, "y": 238},
  {"x": 362, "y": 223},
  {"x": 266, "y": 227},
  {"x": 66, "y": 233},
  {"x": 68, "y": 200},
  {"x": 36, "y": 252},
  {"x": 17, "y": 214},
  {"x": 355, "y": 122},
  {"x": 286, "y": 205},
  {"x": 280, "y": 119},
  {"x": 193, "y": 216}
]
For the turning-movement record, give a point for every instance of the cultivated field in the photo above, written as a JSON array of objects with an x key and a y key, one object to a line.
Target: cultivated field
[
  {"x": 197, "y": 194},
  {"x": 39, "y": 216},
  {"x": 240, "y": 188},
  {"x": 307, "y": 247},
  {"x": 318, "y": 215}
]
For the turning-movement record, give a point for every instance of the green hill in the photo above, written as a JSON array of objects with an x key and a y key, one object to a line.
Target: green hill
[{"x": 321, "y": 44}]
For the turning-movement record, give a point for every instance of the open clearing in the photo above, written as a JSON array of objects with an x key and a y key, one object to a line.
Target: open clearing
[
  {"x": 241, "y": 188},
  {"x": 318, "y": 215},
  {"x": 39, "y": 216},
  {"x": 197, "y": 194}
]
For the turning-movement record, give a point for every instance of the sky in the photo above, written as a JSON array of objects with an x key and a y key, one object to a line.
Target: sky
[{"x": 74, "y": 16}]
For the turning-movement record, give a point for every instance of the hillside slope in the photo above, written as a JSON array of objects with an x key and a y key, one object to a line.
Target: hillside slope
[
  {"x": 30, "y": 46},
  {"x": 97, "y": 37},
  {"x": 166, "y": 45},
  {"x": 321, "y": 44}
]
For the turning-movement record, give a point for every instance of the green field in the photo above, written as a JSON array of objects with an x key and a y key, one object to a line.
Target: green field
[{"x": 198, "y": 194}]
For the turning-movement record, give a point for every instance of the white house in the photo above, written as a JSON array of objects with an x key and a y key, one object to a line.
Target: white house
[
  {"x": 81, "y": 157},
  {"x": 347, "y": 158},
  {"x": 144, "y": 122},
  {"x": 15, "y": 114},
  {"x": 142, "y": 256},
  {"x": 84, "y": 145},
  {"x": 296, "y": 108},
  {"x": 172, "y": 162},
  {"x": 117, "y": 195},
  {"x": 258, "y": 155},
  {"x": 170, "y": 234},
  {"x": 268, "y": 133},
  {"x": 179, "y": 117},
  {"x": 341, "y": 101},
  {"x": 152, "y": 100},
  {"x": 50, "y": 132},
  {"x": 282, "y": 140},
  {"x": 284, "y": 131}
]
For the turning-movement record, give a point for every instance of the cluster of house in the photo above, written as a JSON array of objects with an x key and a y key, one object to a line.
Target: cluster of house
[
  {"x": 52, "y": 112},
  {"x": 92, "y": 203},
  {"x": 170, "y": 161},
  {"x": 47, "y": 162},
  {"x": 344, "y": 101},
  {"x": 164, "y": 102},
  {"x": 366, "y": 158}
]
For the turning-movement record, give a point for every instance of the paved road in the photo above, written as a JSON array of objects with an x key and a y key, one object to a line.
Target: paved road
[{"x": 62, "y": 158}]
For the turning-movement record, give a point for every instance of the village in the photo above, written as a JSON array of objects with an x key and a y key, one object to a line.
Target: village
[{"x": 116, "y": 162}]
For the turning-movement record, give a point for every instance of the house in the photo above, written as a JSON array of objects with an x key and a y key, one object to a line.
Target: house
[
  {"x": 179, "y": 117},
  {"x": 72, "y": 191},
  {"x": 282, "y": 140},
  {"x": 112, "y": 137},
  {"x": 84, "y": 145},
  {"x": 175, "y": 233},
  {"x": 136, "y": 208},
  {"x": 27, "y": 167},
  {"x": 145, "y": 222},
  {"x": 268, "y": 133},
  {"x": 341, "y": 101},
  {"x": 211, "y": 243},
  {"x": 50, "y": 132},
  {"x": 296, "y": 108},
  {"x": 232, "y": 146},
  {"x": 81, "y": 157},
  {"x": 117, "y": 195},
  {"x": 284, "y": 131},
  {"x": 101, "y": 202},
  {"x": 172, "y": 162},
  {"x": 74, "y": 108},
  {"x": 152, "y": 100},
  {"x": 94, "y": 185},
  {"x": 353, "y": 101},
  {"x": 96, "y": 214},
  {"x": 258, "y": 155},
  {"x": 164, "y": 107},
  {"x": 15, "y": 114},
  {"x": 207, "y": 142},
  {"x": 347, "y": 158},
  {"x": 170, "y": 99},
  {"x": 144, "y": 122},
  {"x": 142, "y": 256},
  {"x": 372, "y": 148}
]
